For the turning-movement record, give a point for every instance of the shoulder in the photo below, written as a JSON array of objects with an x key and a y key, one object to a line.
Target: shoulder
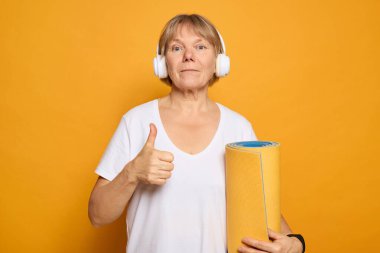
[
  {"x": 236, "y": 126},
  {"x": 140, "y": 112},
  {"x": 234, "y": 118}
]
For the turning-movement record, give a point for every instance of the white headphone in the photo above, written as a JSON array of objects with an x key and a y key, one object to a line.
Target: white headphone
[{"x": 222, "y": 63}]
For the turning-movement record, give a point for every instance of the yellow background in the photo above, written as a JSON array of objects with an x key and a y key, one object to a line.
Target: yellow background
[{"x": 305, "y": 73}]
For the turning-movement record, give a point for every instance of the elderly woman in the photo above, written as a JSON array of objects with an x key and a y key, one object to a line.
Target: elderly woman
[{"x": 165, "y": 162}]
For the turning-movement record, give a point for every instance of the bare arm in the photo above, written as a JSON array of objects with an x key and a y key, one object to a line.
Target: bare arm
[
  {"x": 285, "y": 229},
  {"x": 109, "y": 198}
]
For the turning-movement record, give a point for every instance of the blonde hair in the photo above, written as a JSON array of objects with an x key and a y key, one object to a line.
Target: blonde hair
[{"x": 201, "y": 26}]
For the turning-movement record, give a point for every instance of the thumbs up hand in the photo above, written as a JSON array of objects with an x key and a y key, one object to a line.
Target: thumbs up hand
[{"x": 151, "y": 166}]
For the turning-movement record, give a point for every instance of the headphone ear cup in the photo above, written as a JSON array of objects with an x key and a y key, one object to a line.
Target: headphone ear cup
[
  {"x": 222, "y": 65},
  {"x": 159, "y": 65}
]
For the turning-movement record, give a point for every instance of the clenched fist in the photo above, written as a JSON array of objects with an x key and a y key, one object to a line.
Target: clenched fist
[{"x": 151, "y": 166}]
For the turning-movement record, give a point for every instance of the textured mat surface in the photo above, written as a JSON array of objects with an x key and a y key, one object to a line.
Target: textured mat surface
[{"x": 252, "y": 191}]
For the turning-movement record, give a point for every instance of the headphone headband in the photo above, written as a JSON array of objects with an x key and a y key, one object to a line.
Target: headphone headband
[{"x": 221, "y": 40}]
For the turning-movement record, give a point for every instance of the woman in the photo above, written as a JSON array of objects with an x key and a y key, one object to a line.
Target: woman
[{"x": 166, "y": 159}]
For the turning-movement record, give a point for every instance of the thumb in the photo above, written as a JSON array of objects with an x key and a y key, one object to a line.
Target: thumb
[
  {"x": 274, "y": 235},
  {"x": 152, "y": 135}
]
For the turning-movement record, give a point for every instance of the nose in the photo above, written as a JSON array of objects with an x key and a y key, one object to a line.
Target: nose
[{"x": 188, "y": 55}]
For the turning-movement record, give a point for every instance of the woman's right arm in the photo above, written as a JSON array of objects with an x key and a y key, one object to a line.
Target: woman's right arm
[{"x": 109, "y": 198}]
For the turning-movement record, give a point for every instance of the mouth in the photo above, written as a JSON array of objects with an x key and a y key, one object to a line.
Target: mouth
[{"x": 186, "y": 70}]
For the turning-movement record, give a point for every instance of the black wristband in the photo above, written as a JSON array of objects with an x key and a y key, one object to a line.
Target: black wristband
[{"x": 299, "y": 237}]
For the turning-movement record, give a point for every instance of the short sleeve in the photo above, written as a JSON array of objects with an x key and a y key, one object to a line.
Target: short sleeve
[
  {"x": 249, "y": 134},
  {"x": 117, "y": 153}
]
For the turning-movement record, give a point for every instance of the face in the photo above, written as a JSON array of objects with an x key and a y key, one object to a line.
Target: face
[{"x": 190, "y": 59}]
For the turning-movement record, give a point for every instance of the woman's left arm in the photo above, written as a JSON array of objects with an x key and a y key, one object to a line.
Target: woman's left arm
[
  {"x": 280, "y": 242},
  {"x": 285, "y": 229}
]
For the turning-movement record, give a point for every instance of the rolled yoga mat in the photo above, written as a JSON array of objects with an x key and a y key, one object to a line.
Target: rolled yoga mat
[{"x": 252, "y": 191}]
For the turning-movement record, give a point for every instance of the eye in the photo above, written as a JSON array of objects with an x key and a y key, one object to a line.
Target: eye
[
  {"x": 201, "y": 47},
  {"x": 176, "y": 48}
]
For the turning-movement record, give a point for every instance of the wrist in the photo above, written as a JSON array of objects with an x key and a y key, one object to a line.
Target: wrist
[
  {"x": 129, "y": 173},
  {"x": 299, "y": 241}
]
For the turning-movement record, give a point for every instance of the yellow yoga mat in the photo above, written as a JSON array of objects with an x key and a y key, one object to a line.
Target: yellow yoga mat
[{"x": 252, "y": 191}]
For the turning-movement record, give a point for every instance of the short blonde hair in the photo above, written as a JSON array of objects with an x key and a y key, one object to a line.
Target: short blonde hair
[{"x": 202, "y": 26}]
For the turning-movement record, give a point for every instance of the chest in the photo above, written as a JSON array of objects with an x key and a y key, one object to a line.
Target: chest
[{"x": 191, "y": 134}]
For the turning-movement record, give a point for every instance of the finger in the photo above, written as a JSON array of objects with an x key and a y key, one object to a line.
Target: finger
[
  {"x": 274, "y": 235},
  {"x": 261, "y": 245},
  {"x": 246, "y": 249},
  {"x": 152, "y": 135},
  {"x": 165, "y": 156},
  {"x": 159, "y": 181},
  {"x": 164, "y": 174},
  {"x": 166, "y": 166}
]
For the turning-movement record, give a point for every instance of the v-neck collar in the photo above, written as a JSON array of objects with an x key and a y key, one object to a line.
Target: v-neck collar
[{"x": 180, "y": 151}]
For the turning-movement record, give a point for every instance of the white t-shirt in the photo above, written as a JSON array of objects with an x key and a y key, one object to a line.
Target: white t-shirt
[{"x": 188, "y": 212}]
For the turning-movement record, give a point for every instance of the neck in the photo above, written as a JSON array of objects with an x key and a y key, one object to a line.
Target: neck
[{"x": 189, "y": 100}]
